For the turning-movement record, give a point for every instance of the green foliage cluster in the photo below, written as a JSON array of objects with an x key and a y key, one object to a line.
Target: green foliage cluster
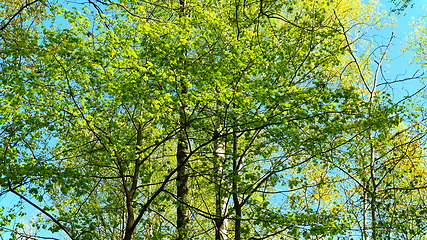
[{"x": 201, "y": 120}]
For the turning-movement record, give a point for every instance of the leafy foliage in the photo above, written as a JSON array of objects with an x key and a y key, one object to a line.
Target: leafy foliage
[{"x": 251, "y": 119}]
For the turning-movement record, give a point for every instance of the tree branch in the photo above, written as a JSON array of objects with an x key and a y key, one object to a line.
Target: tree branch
[{"x": 17, "y": 13}]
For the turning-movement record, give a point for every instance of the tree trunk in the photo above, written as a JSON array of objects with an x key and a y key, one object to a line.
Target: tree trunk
[
  {"x": 236, "y": 202},
  {"x": 221, "y": 222},
  {"x": 181, "y": 158},
  {"x": 373, "y": 195},
  {"x": 130, "y": 192},
  {"x": 182, "y": 175}
]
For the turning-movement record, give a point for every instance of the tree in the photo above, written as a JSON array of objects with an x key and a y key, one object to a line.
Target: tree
[{"x": 186, "y": 120}]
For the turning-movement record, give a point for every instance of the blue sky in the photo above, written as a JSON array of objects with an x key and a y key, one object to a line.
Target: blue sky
[{"x": 399, "y": 66}]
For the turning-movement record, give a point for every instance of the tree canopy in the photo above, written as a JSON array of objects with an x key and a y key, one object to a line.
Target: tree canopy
[{"x": 205, "y": 120}]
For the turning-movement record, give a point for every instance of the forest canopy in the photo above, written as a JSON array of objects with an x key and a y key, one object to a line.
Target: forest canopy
[{"x": 125, "y": 119}]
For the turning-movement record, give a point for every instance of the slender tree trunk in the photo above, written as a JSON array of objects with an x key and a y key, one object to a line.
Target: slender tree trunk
[
  {"x": 236, "y": 203},
  {"x": 221, "y": 222},
  {"x": 130, "y": 192},
  {"x": 182, "y": 189},
  {"x": 182, "y": 212},
  {"x": 365, "y": 235},
  {"x": 373, "y": 195},
  {"x": 373, "y": 150},
  {"x": 182, "y": 175}
]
